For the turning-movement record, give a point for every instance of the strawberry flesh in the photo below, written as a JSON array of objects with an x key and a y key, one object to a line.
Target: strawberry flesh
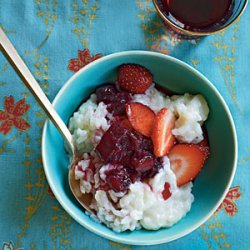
[
  {"x": 186, "y": 161},
  {"x": 141, "y": 117},
  {"x": 162, "y": 136}
]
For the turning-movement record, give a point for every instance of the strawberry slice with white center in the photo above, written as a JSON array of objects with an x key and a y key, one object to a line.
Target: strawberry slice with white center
[
  {"x": 162, "y": 137},
  {"x": 141, "y": 117},
  {"x": 186, "y": 161}
]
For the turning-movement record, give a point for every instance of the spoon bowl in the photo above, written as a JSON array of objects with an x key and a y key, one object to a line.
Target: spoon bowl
[{"x": 83, "y": 199}]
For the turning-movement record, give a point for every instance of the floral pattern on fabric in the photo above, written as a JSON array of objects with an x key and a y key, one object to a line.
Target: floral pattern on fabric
[
  {"x": 228, "y": 204},
  {"x": 10, "y": 246},
  {"x": 12, "y": 115},
  {"x": 84, "y": 58},
  {"x": 49, "y": 34}
]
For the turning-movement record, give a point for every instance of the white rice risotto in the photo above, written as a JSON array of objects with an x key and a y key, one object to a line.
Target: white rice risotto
[
  {"x": 88, "y": 124},
  {"x": 144, "y": 207},
  {"x": 141, "y": 206}
]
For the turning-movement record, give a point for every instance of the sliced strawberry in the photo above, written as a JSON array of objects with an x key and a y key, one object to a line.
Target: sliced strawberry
[
  {"x": 205, "y": 150},
  {"x": 162, "y": 136},
  {"x": 166, "y": 193},
  {"x": 141, "y": 117},
  {"x": 186, "y": 161},
  {"x": 134, "y": 78}
]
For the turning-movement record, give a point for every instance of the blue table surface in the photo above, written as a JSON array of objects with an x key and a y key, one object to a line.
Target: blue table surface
[{"x": 48, "y": 35}]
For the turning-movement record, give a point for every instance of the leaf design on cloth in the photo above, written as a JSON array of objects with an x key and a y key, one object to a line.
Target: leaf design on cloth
[
  {"x": 3, "y": 115},
  {"x": 84, "y": 58},
  {"x": 12, "y": 115},
  {"x": 9, "y": 104},
  {"x": 6, "y": 126},
  {"x": 228, "y": 204},
  {"x": 20, "y": 108}
]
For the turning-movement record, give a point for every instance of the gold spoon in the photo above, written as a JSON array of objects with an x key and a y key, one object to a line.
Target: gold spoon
[{"x": 28, "y": 79}]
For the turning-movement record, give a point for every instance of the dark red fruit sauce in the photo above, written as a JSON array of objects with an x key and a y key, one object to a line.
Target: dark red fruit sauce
[
  {"x": 113, "y": 98},
  {"x": 128, "y": 152},
  {"x": 198, "y": 14},
  {"x": 121, "y": 146}
]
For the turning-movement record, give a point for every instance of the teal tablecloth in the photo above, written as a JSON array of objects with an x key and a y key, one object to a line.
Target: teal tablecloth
[{"x": 48, "y": 34}]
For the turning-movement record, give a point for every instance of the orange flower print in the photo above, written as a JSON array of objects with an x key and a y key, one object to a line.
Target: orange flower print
[
  {"x": 228, "y": 204},
  {"x": 84, "y": 58},
  {"x": 12, "y": 115}
]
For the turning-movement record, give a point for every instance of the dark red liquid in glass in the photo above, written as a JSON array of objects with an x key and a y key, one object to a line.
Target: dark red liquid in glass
[{"x": 198, "y": 14}]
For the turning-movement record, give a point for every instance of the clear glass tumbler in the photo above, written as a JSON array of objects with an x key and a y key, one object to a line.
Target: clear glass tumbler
[{"x": 235, "y": 10}]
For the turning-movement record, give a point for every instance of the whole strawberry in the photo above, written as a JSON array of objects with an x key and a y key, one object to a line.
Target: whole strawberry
[{"x": 134, "y": 78}]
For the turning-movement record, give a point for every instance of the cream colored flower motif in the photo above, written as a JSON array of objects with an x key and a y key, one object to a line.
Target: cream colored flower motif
[{"x": 10, "y": 246}]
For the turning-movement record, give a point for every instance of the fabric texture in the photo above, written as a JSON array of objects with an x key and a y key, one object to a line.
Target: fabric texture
[{"x": 57, "y": 38}]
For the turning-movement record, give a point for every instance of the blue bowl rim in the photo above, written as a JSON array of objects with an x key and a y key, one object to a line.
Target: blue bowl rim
[{"x": 119, "y": 238}]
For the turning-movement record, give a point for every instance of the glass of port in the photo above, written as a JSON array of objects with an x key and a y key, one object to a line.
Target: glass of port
[{"x": 186, "y": 32}]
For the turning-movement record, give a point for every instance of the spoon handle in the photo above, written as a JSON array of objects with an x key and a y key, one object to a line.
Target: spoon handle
[{"x": 22, "y": 70}]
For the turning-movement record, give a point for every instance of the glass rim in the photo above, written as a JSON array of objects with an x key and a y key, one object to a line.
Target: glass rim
[{"x": 198, "y": 33}]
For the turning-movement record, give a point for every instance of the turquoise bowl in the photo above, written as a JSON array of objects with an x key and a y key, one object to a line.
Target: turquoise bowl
[{"x": 210, "y": 186}]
